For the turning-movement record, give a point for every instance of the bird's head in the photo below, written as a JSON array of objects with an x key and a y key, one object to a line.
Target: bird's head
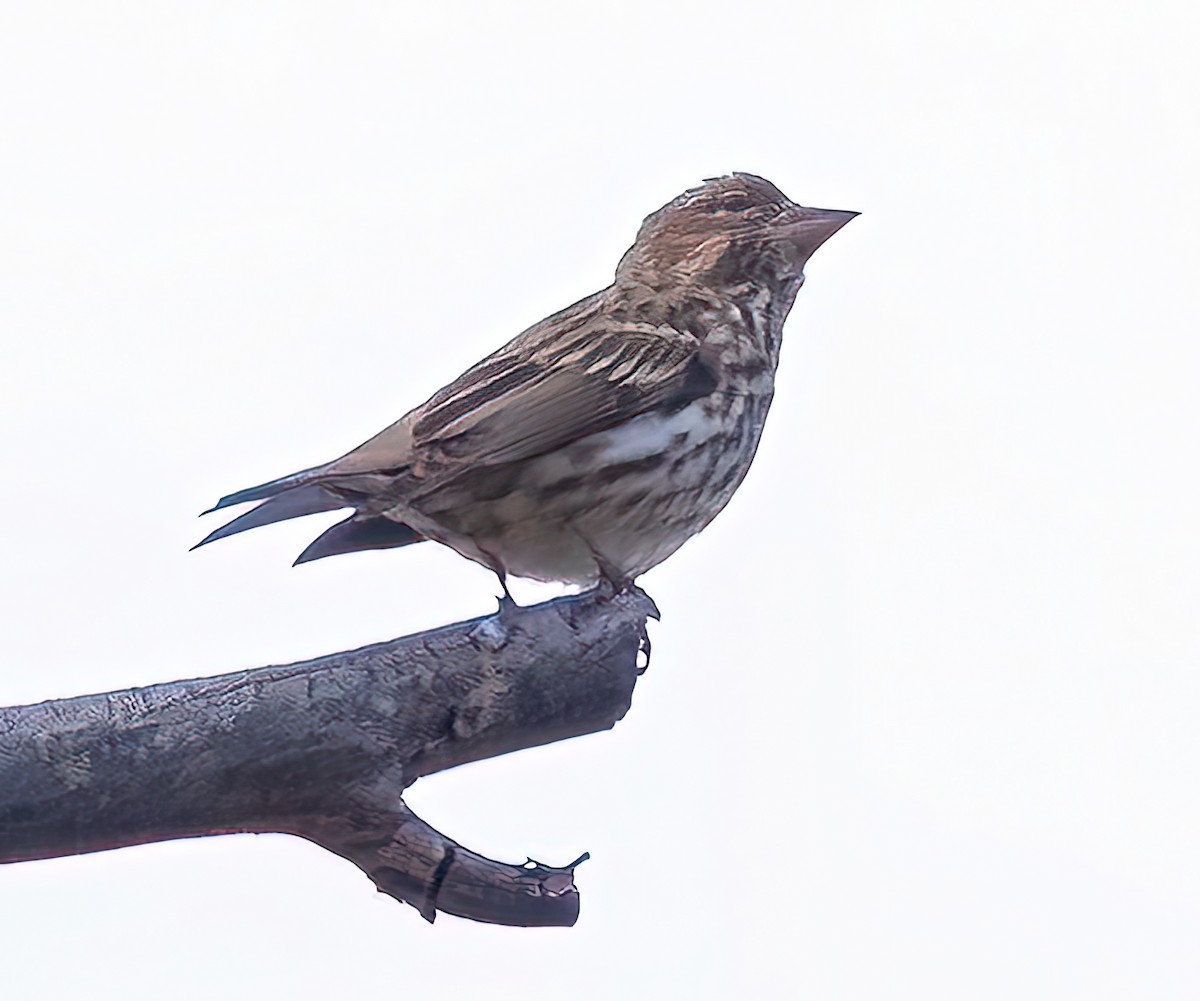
[{"x": 731, "y": 231}]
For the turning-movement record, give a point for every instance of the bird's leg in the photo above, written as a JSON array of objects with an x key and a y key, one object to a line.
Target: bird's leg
[
  {"x": 506, "y": 600},
  {"x": 612, "y": 582}
]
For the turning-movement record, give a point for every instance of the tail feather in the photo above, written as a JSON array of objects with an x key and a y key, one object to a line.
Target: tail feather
[
  {"x": 294, "y": 503},
  {"x": 305, "y": 493},
  {"x": 267, "y": 490},
  {"x": 358, "y": 533}
]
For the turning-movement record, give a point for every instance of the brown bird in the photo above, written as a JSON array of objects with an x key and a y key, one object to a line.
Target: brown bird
[{"x": 593, "y": 445}]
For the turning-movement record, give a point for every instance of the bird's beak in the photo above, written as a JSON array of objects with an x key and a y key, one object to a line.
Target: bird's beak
[{"x": 812, "y": 227}]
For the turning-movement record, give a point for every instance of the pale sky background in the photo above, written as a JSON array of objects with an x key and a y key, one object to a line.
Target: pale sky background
[{"x": 921, "y": 720}]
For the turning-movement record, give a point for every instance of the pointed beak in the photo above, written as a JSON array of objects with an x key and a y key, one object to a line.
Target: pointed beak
[{"x": 812, "y": 227}]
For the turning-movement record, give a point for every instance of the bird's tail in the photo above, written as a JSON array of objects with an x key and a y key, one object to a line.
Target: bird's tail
[
  {"x": 305, "y": 493},
  {"x": 358, "y": 533},
  {"x": 292, "y": 503},
  {"x": 272, "y": 489}
]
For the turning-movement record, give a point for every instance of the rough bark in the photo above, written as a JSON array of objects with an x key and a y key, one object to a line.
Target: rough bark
[{"x": 322, "y": 749}]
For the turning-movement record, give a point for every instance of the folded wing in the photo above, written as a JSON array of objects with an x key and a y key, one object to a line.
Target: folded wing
[{"x": 534, "y": 395}]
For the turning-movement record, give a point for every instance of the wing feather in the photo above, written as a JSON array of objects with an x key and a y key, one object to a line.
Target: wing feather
[{"x": 497, "y": 413}]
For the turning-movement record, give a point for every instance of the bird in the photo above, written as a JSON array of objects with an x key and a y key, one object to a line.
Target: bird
[{"x": 590, "y": 447}]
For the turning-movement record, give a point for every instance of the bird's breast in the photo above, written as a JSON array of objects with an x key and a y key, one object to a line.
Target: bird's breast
[{"x": 625, "y": 498}]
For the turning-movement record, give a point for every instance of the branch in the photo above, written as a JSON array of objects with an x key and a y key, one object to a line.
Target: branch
[{"x": 322, "y": 749}]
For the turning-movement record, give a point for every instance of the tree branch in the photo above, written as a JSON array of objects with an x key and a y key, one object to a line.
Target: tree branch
[{"x": 322, "y": 749}]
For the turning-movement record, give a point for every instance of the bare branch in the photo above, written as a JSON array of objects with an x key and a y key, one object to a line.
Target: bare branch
[{"x": 322, "y": 750}]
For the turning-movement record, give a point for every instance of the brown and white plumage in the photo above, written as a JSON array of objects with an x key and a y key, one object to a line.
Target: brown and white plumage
[{"x": 596, "y": 442}]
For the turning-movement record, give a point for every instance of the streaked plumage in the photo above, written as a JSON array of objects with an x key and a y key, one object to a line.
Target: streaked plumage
[{"x": 599, "y": 440}]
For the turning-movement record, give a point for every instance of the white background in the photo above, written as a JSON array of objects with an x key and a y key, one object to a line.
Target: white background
[{"x": 921, "y": 720}]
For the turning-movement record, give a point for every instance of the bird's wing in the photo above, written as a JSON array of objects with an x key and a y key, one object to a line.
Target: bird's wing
[{"x": 532, "y": 397}]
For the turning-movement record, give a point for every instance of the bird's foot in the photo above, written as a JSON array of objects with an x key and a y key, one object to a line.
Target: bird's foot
[{"x": 610, "y": 585}]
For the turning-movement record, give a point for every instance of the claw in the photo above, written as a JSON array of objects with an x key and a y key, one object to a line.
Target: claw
[{"x": 644, "y": 647}]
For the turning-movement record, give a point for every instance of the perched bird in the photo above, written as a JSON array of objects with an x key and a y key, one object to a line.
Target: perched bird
[{"x": 593, "y": 445}]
